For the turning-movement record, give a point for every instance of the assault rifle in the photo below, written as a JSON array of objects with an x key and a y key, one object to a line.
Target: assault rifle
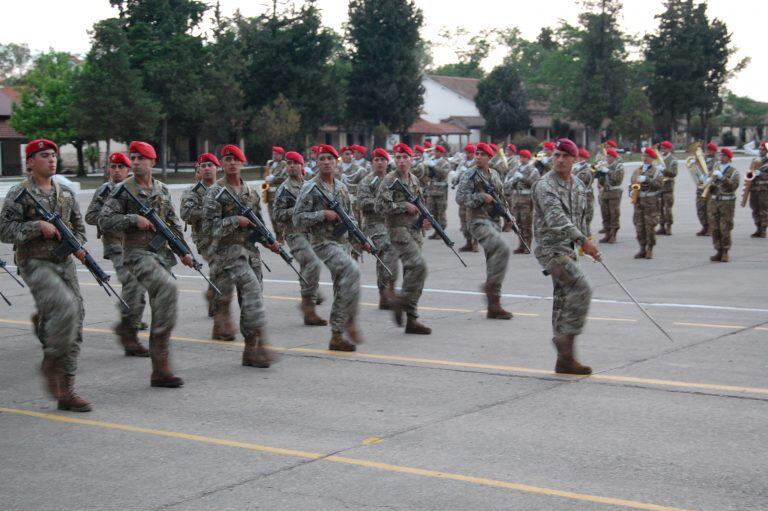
[
  {"x": 498, "y": 209},
  {"x": 424, "y": 214},
  {"x": 260, "y": 232},
  {"x": 347, "y": 224},
  {"x": 2, "y": 265},
  {"x": 69, "y": 244},
  {"x": 165, "y": 234}
]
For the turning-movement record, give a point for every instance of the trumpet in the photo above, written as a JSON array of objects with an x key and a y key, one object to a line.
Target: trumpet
[
  {"x": 598, "y": 166},
  {"x": 265, "y": 192},
  {"x": 748, "y": 178}
]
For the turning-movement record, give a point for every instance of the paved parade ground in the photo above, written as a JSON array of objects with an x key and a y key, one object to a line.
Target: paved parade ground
[{"x": 469, "y": 418}]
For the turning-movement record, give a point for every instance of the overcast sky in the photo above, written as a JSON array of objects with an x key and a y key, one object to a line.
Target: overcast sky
[{"x": 63, "y": 25}]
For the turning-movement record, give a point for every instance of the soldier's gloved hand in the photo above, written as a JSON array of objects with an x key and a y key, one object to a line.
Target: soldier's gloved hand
[
  {"x": 243, "y": 222},
  {"x": 604, "y": 170},
  {"x": 718, "y": 174},
  {"x": 517, "y": 175},
  {"x": 757, "y": 173},
  {"x": 80, "y": 254},
  {"x": 187, "y": 260},
  {"x": 411, "y": 209},
  {"x": 331, "y": 216},
  {"x": 274, "y": 247},
  {"x": 487, "y": 198},
  {"x": 642, "y": 179},
  {"x": 143, "y": 224},
  {"x": 48, "y": 231}
]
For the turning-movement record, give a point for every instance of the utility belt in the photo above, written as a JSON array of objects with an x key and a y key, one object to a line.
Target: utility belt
[
  {"x": 522, "y": 192},
  {"x": 239, "y": 237},
  {"x": 38, "y": 249},
  {"x": 400, "y": 221},
  {"x": 138, "y": 239},
  {"x": 724, "y": 197},
  {"x": 648, "y": 194},
  {"x": 611, "y": 188},
  {"x": 291, "y": 229},
  {"x": 372, "y": 218},
  {"x": 477, "y": 214}
]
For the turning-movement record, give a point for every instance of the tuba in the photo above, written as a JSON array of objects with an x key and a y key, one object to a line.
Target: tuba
[{"x": 696, "y": 164}]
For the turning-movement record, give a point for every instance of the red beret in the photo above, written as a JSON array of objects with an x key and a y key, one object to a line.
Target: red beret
[
  {"x": 666, "y": 144},
  {"x": 313, "y": 149},
  {"x": 762, "y": 145},
  {"x": 567, "y": 146},
  {"x": 512, "y": 148},
  {"x": 358, "y": 148},
  {"x": 40, "y": 144},
  {"x": 548, "y": 145},
  {"x": 524, "y": 153},
  {"x": 294, "y": 156},
  {"x": 727, "y": 152},
  {"x": 486, "y": 148},
  {"x": 277, "y": 149},
  {"x": 650, "y": 151},
  {"x": 470, "y": 148},
  {"x": 234, "y": 151},
  {"x": 440, "y": 149},
  {"x": 583, "y": 153},
  {"x": 711, "y": 147},
  {"x": 418, "y": 148},
  {"x": 494, "y": 147},
  {"x": 403, "y": 148},
  {"x": 209, "y": 157},
  {"x": 345, "y": 149},
  {"x": 612, "y": 152},
  {"x": 381, "y": 152},
  {"x": 327, "y": 149},
  {"x": 611, "y": 143},
  {"x": 119, "y": 158},
  {"x": 144, "y": 149},
  {"x": 427, "y": 144}
]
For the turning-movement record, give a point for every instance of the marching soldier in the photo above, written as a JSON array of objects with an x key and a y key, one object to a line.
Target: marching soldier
[
  {"x": 667, "y": 198},
  {"x": 498, "y": 162},
  {"x": 485, "y": 229},
  {"x": 358, "y": 154},
  {"x": 236, "y": 255},
  {"x": 152, "y": 269},
  {"x": 277, "y": 174},
  {"x": 517, "y": 189},
  {"x": 583, "y": 171},
  {"x": 132, "y": 292},
  {"x": 399, "y": 216},
  {"x": 544, "y": 163},
  {"x": 464, "y": 167},
  {"x": 513, "y": 161},
  {"x": 721, "y": 205},
  {"x": 436, "y": 190},
  {"x": 298, "y": 239},
  {"x": 558, "y": 230},
  {"x": 374, "y": 226},
  {"x": 52, "y": 281},
  {"x": 609, "y": 179},
  {"x": 312, "y": 212},
  {"x": 644, "y": 189},
  {"x": 191, "y": 211},
  {"x": 701, "y": 202},
  {"x": 312, "y": 162},
  {"x": 758, "y": 196},
  {"x": 351, "y": 175}
]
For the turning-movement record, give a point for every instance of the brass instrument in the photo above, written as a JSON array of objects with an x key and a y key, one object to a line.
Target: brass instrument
[
  {"x": 748, "y": 178},
  {"x": 634, "y": 188},
  {"x": 265, "y": 184},
  {"x": 505, "y": 163},
  {"x": 696, "y": 164}
]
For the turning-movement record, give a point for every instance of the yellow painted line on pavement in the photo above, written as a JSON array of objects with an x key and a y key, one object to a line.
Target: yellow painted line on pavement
[
  {"x": 709, "y": 325},
  {"x": 386, "y": 467},
  {"x": 460, "y": 364},
  {"x": 598, "y": 318}
]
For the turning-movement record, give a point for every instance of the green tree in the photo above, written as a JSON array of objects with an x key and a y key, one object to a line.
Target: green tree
[
  {"x": 470, "y": 49},
  {"x": 743, "y": 112},
  {"x": 14, "y": 60},
  {"x": 45, "y": 105},
  {"x": 385, "y": 75},
  {"x": 503, "y": 103},
  {"x": 278, "y": 121}
]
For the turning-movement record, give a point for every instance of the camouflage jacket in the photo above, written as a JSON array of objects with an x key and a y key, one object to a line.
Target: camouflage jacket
[
  {"x": 761, "y": 175},
  {"x": 112, "y": 242},
  {"x": 583, "y": 171},
  {"x": 366, "y": 199},
  {"x": 278, "y": 172},
  {"x": 119, "y": 215},
  {"x": 669, "y": 172},
  {"x": 20, "y": 223},
  {"x": 228, "y": 240},
  {"x": 559, "y": 217},
  {"x": 470, "y": 193},
  {"x": 725, "y": 188},
  {"x": 351, "y": 175},
  {"x": 309, "y": 211},
  {"x": 191, "y": 211},
  {"x": 653, "y": 180},
  {"x": 437, "y": 177},
  {"x": 282, "y": 212},
  {"x": 610, "y": 181},
  {"x": 521, "y": 180},
  {"x": 391, "y": 203}
]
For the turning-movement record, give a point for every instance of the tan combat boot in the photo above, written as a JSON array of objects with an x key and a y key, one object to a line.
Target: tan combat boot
[
  {"x": 354, "y": 333},
  {"x": 396, "y": 306},
  {"x": 412, "y": 326},
  {"x": 310, "y": 316},
  {"x": 435, "y": 236},
  {"x": 641, "y": 253},
  {"x": 669, "y": 229},
  {"x": 566, "y": 359},
  {"x": 649, "y": 253},
  {"x": 467, "y": 247},
  {"x": 474, "y": 246},
  {"x": 612, "y": 236},
  {"x": 159, "y": 352},
  {"x": 255, "y": 354},
  {"x": 51, "y": 375},
  {"x": 717, "y": 257},
  {"x": 339, "y": 343},
  {"x": 68, "y": 398},
  {"x": 607, "y": 237},
  {"x": 223, "y": 328},
  {"x": 661, "y": 229},
  {"x": 725, "y": 258},
  {"x": 495, "y": 310},
  {"x": 603, "y": 230},
  {"x": 129, "y": 340},
  {"x": 210, "y": 299},
  {"x": 757, "y": 234},
  {"x": 384, "y": 299}
]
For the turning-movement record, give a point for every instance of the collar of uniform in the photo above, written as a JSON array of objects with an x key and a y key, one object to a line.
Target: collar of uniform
[
  {"x": 141, "y": 191},
  {"x": 560, "y": 181}
]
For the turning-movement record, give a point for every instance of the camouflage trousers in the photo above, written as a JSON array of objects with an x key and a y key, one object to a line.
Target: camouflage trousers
[
  {"x": 155, "y": 277},
  {"x": 464, "y": 223},
  {"x": 346, "y": 282},
  {"x": 610, "y": 209},
  {"x": 572, "y": 295},
  {"x": 758, "y": 202},
  {"x": 522, "y": 210},
  {"x": 132, "y": 292},
  {"x": 380, "y": 236},
  {"x": 666, "y": 201},
  {"x": 407, "y": 243},
  {"x": 437, "y": 205},
  {"x": 221, "y": 278},
  {"x": 241, "y": 276},
  {"x": 309, "y": 264},
  {"x": 701, "y": 211},
  {"x": 56, "y": 292},
  {"x": 488, "y": 234},
  {"x": 720, "y": 214},
  {"x": 646, "y": 219},
  {"x": 589, "y": 214}
]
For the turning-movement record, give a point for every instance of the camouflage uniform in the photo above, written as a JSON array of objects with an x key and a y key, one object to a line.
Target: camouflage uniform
[
  {"x": 721, "y": 206},
  {"x": 609, "y": 195},
  {"x": 485, "y": 229},
  {"x": 332, "y": 248},
  {"x": 351, "y": 175},
  {"x": 132, "y": 292},
  {"x": 517, "y": 189},
  {"x": 374, "y": 226},
  {"x": 583, "y": 171},
  {"x": 278, "y": 172},
  {"x": 460, "y": 171},
  {"x": 436, "y": 190},
  {"x": 52, "y": 281},
  {"x": 646, "y": 215},
  {"x": 559, "y": 213},
  {"x": 667, "y": 198},
  {"x": 406, "y": 239},
  {"x": 297, "y": 237},
  {"x": 758, "y": 199},
  {"x": 701, "y": 202}
]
